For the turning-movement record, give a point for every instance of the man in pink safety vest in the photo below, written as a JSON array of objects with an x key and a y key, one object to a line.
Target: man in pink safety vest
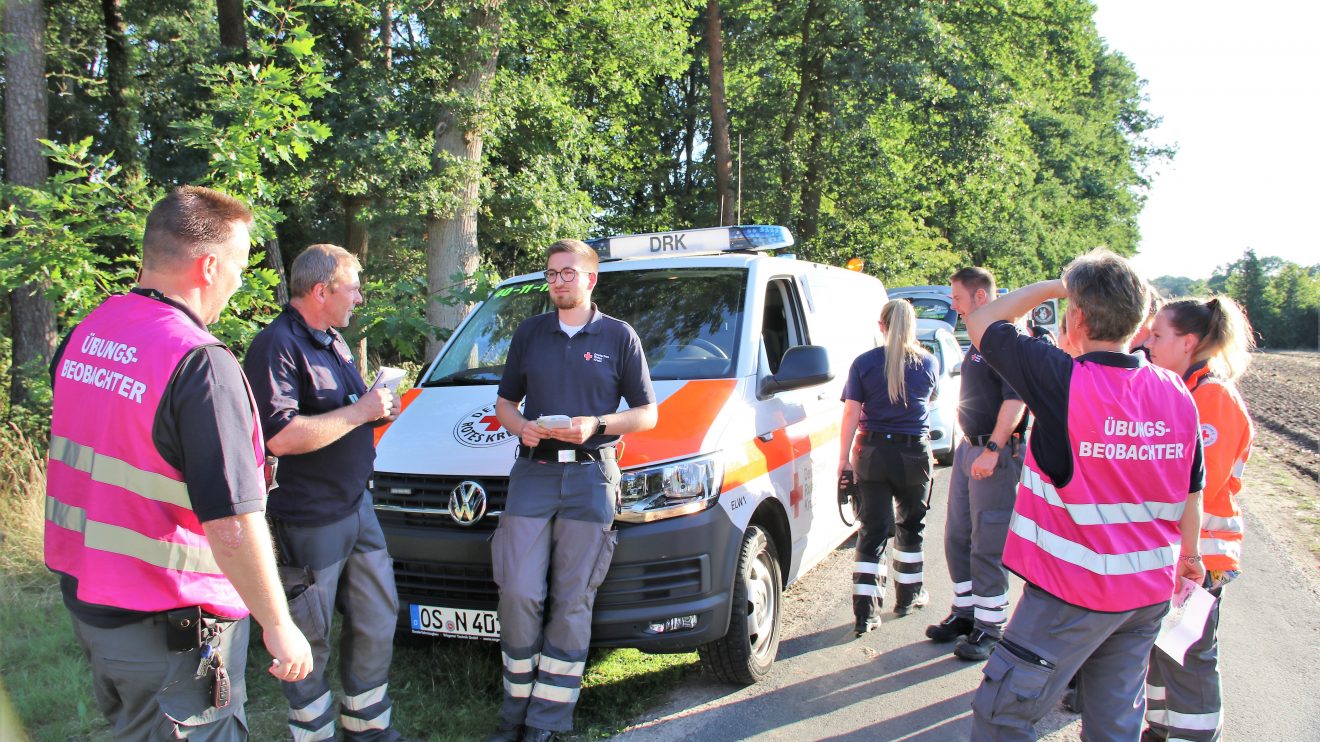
[
  {"x": 1108, "y": 511},
  {"x": 155, "y": 493}
]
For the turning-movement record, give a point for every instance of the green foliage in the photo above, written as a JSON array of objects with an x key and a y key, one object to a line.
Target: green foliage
[
  {"x": 59, "y": 232},
  {"x": 1281, "y": 298}
]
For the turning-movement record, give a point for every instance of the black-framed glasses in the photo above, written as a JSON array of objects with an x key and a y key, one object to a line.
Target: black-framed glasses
[{"x": 567, "y": 275}]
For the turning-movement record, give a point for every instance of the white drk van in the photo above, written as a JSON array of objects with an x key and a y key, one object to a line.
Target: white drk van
[{"x": 732, "y": 496}]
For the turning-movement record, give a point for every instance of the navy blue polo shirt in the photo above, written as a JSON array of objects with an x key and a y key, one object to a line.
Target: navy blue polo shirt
[
  {"x": 868, "y": 385},
  {"x": 981, "y": 394},
  {"x": 1043, "y": 373},
  {"x": 295, "y": 370},
  {"x": 577, "y": 376}
]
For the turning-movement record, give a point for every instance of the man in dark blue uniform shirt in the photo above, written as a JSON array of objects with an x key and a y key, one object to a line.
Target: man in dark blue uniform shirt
[
  {"x": 982, "y": 486},
  {"x": 317, "y": 416},
  {"x": 555, "y": 539}
]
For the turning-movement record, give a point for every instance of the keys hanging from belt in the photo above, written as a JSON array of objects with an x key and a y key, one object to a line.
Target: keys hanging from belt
[{"x": 212, "y": 663}]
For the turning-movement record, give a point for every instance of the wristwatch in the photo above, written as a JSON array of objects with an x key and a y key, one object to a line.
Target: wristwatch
[
  {"x": 991, "y": 446},
  {"x": 600, "y": 426}
]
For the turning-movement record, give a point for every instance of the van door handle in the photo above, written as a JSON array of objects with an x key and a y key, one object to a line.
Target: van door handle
[
  {"x": 766, "y": 437},
  {"x": 821, "y": 396}
]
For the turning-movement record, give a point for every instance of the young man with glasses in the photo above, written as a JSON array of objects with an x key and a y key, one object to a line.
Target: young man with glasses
[{"x": 556, "y": 538}]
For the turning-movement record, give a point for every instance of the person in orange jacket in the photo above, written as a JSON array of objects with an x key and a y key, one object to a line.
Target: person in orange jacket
[{"x": 1208, "y": 343}]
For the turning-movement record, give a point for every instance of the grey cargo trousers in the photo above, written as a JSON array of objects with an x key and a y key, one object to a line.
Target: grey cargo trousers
[
  {"x": 1046, "y": 643},
  {"x": 974, "y": 533},
  {"x": 550, "y": 552},
  {"x": 341, "y": 566}
]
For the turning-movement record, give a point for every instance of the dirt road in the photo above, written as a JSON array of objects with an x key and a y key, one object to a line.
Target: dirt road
[{"x": 895, "y": 685}]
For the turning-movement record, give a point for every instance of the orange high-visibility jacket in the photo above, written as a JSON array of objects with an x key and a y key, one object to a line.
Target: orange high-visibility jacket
[{"x": 1226, "y": 435}]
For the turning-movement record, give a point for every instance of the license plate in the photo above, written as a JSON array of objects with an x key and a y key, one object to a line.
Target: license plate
[{"x": 460, "y": 622}]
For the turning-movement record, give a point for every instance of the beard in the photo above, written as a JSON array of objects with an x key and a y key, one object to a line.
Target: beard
[{"x": 568, "y": 301}]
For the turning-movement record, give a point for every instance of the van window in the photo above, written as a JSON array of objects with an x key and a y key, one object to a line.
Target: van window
[
  {"x": 781, "y": 324},
  {"x": 687, "y": 319}
]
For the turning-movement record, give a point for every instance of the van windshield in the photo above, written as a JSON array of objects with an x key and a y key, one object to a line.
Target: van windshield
[{"x": 687, "y": 318}]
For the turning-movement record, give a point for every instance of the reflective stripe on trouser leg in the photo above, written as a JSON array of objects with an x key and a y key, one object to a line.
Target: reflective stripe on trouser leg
[
  {"x": 911, "y": 501},
  {"x": 958, "y": 530},
  {"x": 520, "y": 557},
  {"x": 315, "y": 721},
  {"x": 876, "y": 515},
  {"x": 370, "y": 606},
  {"x": 580, "y": 559},
  {"x": 1183, "y": 701},
  {"x": 991, "y": 508}
]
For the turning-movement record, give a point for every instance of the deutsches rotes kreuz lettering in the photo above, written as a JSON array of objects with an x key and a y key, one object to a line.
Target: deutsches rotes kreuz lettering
[
  {"x": 595, "y": 357},
  {"x": 480, "y": 428}
]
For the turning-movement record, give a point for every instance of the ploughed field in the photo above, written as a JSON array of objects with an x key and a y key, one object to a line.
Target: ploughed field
[{"x": 1282, "y": 389}]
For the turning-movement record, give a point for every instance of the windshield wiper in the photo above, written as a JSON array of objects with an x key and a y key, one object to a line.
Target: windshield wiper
[{"x": 467, "y": 377}]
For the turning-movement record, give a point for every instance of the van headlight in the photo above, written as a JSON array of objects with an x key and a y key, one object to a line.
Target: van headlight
[{"x": 668, "y": 490}]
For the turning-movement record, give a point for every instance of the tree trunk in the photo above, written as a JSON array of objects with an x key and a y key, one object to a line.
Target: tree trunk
[
  {"x": 812, "y": 178},
  {"x": 233, "y": 29},
  {"x": 275, "y": 261},
  {"x": 31, "y": 313},
  {"x": 810, "y": 67},
  {"x": 719, "y": 113},
  {"x": 118, "y": 79},
  {"x": 387, "y": 34},
  {"x": 356, "y": 237},
  {"x": 451, "y": 249}
]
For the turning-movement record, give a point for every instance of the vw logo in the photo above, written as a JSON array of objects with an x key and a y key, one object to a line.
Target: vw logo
[{"x": 467, "y": 503}]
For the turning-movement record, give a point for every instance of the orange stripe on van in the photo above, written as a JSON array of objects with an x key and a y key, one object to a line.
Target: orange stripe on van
[
  {"x": 404, "y": 401},
  {"x": 759, "y": 457},
  {"x": 685, "y": 417}
]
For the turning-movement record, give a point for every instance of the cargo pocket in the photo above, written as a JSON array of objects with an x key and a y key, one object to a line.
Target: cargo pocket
[
  {"x": 609, "y": 539},
  {"x": 497, "y": 556},
  {"x": 308, "y": 605},
  {"x": 1011, "y": 695},
  {"x": 991, "y": 531}
]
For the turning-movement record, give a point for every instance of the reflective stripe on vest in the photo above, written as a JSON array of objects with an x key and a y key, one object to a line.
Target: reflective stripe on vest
[
  {"x": 112, "y": 471},
  {"x": 1093, "y": 514},
  {"x": 120, "y": 540}
]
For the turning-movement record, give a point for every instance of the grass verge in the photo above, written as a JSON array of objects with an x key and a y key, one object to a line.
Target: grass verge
[{"x": 442, "y": 689}]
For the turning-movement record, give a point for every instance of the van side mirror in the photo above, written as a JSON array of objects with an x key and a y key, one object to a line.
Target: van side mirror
[
  {"x": 802, "y": 366},
  {"x": 956, "y": 370}
]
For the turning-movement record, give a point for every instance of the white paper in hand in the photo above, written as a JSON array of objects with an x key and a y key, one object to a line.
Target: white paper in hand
[
  {"x": 1185, "y": 621},
  {"x": 388, "y": 377}
]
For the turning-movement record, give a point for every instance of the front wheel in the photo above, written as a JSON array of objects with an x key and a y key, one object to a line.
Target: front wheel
[{"x": 744, "y": 654}]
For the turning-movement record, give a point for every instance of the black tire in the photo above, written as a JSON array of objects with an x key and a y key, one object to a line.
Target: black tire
[{"x": 744, "y": 654}]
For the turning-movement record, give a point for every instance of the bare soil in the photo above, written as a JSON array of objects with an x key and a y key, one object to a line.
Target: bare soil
[{"x": 1282, "y": 389}]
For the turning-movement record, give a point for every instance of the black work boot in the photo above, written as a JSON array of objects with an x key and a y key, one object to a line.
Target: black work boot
[
  {"x": 538, "y": 735},
  {"x": 864, "y": 625},
  {"x": 918, "y": 601},
  {"x": 950, "y": 628},
  {"x": 976, "y": 646}
]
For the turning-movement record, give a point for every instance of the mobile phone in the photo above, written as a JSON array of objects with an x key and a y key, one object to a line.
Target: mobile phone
[{"x": 554, "y": 421}]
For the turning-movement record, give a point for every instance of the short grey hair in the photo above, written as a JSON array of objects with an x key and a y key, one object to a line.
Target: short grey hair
[{"x": 319, "y": 264}]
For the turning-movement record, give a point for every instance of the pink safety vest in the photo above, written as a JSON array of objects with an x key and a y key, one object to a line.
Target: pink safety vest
[
  {"x": 118, "y": 517},
  {"x": 1109, "y": 539}
]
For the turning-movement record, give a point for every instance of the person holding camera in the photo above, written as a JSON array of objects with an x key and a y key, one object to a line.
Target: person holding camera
[
  {"x": 887, "y": 398},
  {"x": 155, "y": 493},
  {"x": 318, "y": 416}
]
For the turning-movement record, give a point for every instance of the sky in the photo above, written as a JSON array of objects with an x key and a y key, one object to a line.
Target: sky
[{"x": 1238, "y": 87}]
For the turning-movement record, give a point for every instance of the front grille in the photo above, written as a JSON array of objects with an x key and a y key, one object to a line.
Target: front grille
[
  {"x": 431, "y": 493},
  {"x": 472, "y": 585},
  {"x": 433, "y": 583}
]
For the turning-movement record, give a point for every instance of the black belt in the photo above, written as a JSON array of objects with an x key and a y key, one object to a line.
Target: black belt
[
  {"x": 566, "y": 455},
  {"x": 873, "y": 437},
  {"x": 978, "y": 440}
]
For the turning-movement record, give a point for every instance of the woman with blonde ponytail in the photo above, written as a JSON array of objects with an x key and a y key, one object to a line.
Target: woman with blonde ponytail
[
  {"x": 1208, "y": 342},
  {"x": 886, "y": 405}
]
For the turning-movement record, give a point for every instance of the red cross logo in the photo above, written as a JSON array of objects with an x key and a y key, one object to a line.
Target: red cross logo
[
  {"x": 587, "y": 356},
  {"x": 492, "y": 423}
]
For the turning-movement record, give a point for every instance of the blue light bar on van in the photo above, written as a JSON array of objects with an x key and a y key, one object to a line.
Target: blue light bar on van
[{"x": 709, "y": 241}]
